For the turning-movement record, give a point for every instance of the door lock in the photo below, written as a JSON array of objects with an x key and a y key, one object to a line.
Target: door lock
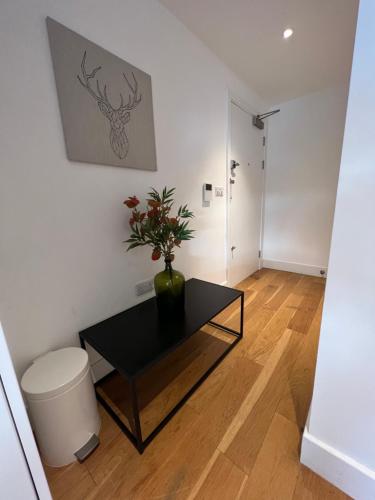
[{"x": 234, "y": 164}]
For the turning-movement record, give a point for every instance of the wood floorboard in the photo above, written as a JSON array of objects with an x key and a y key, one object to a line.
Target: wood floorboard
[
  {"x": 178, "y": 475},
  {"x": 302, "y": 320},
  {"x": 310, "y": 486},
  {"x": 225, "y": 473},
  {"x": 70, "y": 482},
  {"x": 267, "y": 338},
  {"x": 276, "y": 468},
  {"x": 238, "y": 436},
  {"x": 296, "y": 400},
  {"x": 133, "y": 471},
  {"x": 246, "y": 436}
]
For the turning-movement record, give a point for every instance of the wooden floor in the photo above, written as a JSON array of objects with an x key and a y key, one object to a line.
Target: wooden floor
[{"x": 239, "y": 436}]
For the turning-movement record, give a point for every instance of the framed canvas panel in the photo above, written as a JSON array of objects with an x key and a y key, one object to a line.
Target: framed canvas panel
[{"x": 105, "y": 103}]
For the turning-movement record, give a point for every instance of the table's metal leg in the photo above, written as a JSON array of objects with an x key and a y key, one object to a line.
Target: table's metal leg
[
  {"x": 226, "y": 329},
  {"x": 137, "y": 422},
  {"x": 242, "y": 314}
]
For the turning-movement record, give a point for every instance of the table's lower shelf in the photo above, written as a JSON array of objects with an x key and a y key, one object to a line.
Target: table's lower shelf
[{"x": 143, "y": 406}]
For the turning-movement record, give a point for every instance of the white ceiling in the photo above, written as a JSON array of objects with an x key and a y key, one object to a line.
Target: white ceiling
[{"x": 247, "y": 36}]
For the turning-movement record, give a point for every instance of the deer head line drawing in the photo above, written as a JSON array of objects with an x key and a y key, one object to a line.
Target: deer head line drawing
[{"x": 117, "y": 117}]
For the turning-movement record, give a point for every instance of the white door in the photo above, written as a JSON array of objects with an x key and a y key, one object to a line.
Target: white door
[
  {"x": 246, "y": 183},
  {"x": 21, "y": 471},
  {"x": 15, "y": 478}
]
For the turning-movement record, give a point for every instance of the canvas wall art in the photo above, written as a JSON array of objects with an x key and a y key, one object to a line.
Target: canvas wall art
[{"x": 105, "y": 103}]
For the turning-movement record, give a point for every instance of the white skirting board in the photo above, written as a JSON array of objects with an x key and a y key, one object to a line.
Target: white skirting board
[
  {"x": 350, "y": 476},
  {"x": 294, "y": 267}
]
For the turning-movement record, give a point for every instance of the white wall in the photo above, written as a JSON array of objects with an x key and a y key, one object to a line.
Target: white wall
[
  {"x": 303, "y": 158},
  {"x": 63, "y": 266},
  {"x": 339, "y": 442}
]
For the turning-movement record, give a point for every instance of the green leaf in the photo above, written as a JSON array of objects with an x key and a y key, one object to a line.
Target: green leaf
[{"x": 133, "y": 245}]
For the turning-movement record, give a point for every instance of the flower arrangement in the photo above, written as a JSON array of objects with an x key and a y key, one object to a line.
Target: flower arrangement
[{"x": 156, "y": 227}]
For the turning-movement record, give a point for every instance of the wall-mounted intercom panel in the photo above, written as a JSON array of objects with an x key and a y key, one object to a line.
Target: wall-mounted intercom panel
[{"x": 207, "y": 192}]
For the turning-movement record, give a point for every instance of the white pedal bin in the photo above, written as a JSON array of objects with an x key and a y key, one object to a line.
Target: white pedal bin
[{"x": 63, "y": 408}]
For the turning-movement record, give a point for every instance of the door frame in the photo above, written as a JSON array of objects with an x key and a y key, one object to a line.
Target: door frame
[{"x": 233, "y": 98}]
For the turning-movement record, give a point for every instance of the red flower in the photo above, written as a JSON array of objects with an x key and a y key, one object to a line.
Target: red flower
[
  {"x": 155, "y": 254},
  {"x": 173, "y": 220},
  {"x": 154, "y": 203},
  {"x": 152, "y": 213},
  {"x": 131, "y": 221},
  {"x": 131, "y": 202}
]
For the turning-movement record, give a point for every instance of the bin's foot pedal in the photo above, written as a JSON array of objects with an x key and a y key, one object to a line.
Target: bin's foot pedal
[{"x": 87, "y": 448}]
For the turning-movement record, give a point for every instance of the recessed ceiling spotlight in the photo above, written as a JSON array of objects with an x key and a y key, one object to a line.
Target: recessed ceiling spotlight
[{"x": 288, "y": 33}]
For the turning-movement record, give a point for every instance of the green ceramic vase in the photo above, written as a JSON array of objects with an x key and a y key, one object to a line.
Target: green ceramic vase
[{"x": 170, "y": 291}]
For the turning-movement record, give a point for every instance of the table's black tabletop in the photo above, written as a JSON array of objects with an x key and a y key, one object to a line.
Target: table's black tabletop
[{"x": 136, "y": 338}]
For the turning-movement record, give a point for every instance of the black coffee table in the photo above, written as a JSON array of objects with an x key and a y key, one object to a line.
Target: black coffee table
[{"x": 135, "y": 340}]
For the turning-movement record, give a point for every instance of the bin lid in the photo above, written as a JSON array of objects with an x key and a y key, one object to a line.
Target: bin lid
[{"x": 54, "y": 372}]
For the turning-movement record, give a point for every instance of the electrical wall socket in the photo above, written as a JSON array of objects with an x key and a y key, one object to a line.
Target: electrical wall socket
[
  {"x": 219, "y": 191},
  {"x": 144, "y": 287}
]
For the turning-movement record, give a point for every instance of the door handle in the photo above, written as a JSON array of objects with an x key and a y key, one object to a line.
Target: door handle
[{"x": 233, "y": 248}]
